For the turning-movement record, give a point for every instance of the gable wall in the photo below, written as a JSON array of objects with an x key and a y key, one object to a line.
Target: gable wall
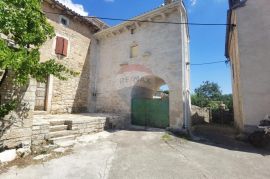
[
  {"x": 160, "y": 50},
  {"x": 253, "y": 26}
]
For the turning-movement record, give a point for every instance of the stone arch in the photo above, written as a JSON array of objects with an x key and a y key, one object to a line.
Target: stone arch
[
  {"x": 149, "y": 105},
  {"x": 146, "y": 86}
]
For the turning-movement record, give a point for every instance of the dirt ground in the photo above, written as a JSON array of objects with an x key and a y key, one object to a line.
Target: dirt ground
[{"x": 151, "y": 154}]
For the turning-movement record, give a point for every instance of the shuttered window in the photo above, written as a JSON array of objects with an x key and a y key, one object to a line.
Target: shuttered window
[
  {"x": 61, "y": 46},
  {"x": 134, "y": 50}
]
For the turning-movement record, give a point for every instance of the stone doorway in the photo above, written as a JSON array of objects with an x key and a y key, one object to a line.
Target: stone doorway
[{"x": 41, "y": 96}]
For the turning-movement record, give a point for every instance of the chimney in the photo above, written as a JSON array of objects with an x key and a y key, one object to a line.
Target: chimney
[{"x": 167, "y": 1}]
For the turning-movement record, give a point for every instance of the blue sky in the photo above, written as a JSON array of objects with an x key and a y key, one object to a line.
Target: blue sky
[{"x": 207, "y": 43}]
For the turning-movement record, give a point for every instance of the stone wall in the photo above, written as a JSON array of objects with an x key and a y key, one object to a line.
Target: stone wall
[
  {"x": 84, "y": 127},
  {"x": 40, "y": 132},
  {"x": 71, "y": 95},
  {"x": 199, "y": 115},
  {"x": 19, "y": 134},
  {"x": 77, "y": 124},
  {"x": 117, "y": 122}
]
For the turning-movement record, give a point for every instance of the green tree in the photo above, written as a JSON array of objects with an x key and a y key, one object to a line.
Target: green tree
[
  {"x": 227, "y": 99},
  {"x": 209, "y": 95},
  {"x": 209, "y": 90},
  {"x": 198, "y": 100},
  {"x": 166, "y": 91},
  {"x": 25, "y": 27}
]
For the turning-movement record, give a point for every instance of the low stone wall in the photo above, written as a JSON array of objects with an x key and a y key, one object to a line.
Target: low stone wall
[
  {"x": 40, "y": 132},
  {"x": 199, "y": 115},
  {"x": 19, "y": 134},
  {"x": 84, "y": 127},
  {"x": 16, "y": 137},
  {"x": 121, "y": 121},
  {"x": 77, "y": 124}
]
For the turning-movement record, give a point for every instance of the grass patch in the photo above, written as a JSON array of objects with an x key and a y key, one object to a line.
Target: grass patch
[{"x": 166, "y": 137}]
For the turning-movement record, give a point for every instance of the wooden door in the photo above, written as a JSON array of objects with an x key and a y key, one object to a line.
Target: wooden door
[{"x": 40, "y": 96}]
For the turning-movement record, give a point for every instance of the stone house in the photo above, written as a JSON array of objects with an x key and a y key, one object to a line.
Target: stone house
[
  {"x": 56, "y": 96},
  {"x": 77, "y": 32},
  {"x": 247, "y": 48},
  {"x": 116, "y": 65}
]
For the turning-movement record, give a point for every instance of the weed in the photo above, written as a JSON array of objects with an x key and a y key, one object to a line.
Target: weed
[{"x": 166, "y": 137}]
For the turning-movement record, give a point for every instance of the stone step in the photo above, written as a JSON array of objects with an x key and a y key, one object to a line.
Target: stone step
[
  {"x": 58, "y": 128},
  {"x": 57, "y": 123},
  {"x": 40, "y": 113},
  {"x": 64, "y": 139},
  {"x": 60, "y": 133},
  {"x": 66, "y": 143}
]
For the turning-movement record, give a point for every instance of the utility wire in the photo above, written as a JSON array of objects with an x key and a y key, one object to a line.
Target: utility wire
[
  {"x": 156, "y": 22},
  {"x": 149, "y": 21},
  {"x": 207, "y": 63},
  {"x": 161, "y": 22}
]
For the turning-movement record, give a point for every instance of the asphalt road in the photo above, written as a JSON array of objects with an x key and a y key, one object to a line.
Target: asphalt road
[{"x": 149, "y": 155}]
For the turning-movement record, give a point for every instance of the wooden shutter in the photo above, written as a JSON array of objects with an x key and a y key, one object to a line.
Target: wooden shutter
[
  {"x": 65, "y": 47},
  {"x": 61, "y": 46}
]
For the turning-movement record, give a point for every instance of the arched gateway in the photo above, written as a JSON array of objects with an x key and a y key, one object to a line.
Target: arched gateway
[
  {"x": 132, "y": 60},
  {"x": 149, "y": 105}
]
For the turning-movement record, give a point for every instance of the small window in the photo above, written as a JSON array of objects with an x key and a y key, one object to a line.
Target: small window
[
  {"x": 64, "y": 20},
  {"x": 61, "y": 46},
  {"x": 134, "y": 50}
]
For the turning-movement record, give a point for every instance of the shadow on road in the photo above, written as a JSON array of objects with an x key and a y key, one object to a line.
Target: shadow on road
[
  {"x": 224, "y": 137},
  {"x": 213, "y": 135}
]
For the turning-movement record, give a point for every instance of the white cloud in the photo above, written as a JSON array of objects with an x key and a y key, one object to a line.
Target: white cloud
[
  {"x": 75, "y": 7},
  {"x": 193, "y": 2}
]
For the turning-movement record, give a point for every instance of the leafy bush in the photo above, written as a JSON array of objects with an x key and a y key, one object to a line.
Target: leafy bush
[{"x": 209, "y": 95}]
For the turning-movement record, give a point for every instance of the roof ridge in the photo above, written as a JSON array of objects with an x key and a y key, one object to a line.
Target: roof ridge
[
  {"x": 153, "y": 9},
  {"x": 96, "y": 22}
]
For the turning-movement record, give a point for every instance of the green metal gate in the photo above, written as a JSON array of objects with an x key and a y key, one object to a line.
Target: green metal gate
[{"x": 150, "y": 112}]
